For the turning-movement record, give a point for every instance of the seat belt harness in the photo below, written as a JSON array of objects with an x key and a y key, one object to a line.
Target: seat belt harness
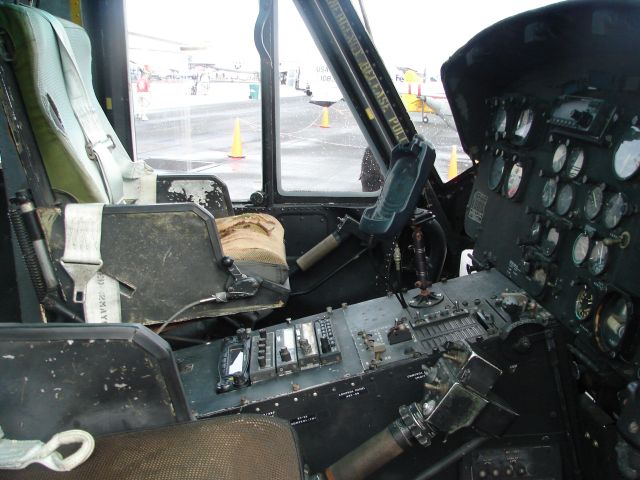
[{"x": 99, "y": 293}]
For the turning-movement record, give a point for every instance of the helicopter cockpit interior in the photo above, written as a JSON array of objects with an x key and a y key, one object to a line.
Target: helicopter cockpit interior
[{"x": 176, "y": 334}]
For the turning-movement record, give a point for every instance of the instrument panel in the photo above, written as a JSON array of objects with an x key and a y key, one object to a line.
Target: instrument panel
[{"x": 555, "y": 207}]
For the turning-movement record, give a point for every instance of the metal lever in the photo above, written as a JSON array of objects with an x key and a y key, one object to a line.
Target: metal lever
[
  {"x": 457, "y": 394},
  {"x": 426, "y": 298},
  {"x": 243, "y": 286},
  {"x": 346, "y": 228}
]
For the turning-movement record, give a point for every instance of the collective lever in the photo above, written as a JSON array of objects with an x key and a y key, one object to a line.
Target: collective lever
[{"x": 461, "y": 376}]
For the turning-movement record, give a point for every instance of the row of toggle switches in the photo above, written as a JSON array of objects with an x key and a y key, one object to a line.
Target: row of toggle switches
[{"x": 293, "y": 348}]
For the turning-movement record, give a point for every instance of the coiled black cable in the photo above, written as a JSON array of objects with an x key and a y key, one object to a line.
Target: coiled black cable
[{"x": 28, "y": 252}]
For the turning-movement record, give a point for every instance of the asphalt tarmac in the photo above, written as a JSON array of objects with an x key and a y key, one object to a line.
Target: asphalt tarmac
[{"x": 198, "y": 138}]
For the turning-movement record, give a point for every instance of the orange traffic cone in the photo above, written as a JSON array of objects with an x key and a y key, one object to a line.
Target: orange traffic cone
[
  {"x": 453, "y": 163},
  {"x": 325, "y": 118},
  {"x": 236, "y": 143}
]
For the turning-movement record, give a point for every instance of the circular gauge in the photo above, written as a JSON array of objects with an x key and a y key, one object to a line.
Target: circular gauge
[
  {"x": 584, "y": 304},
  {"x": 615, "y": 208},
  {"x": 593, "y": 202},
  {"x": 500, "y": 120},
  {"x": 564, "y": 200},
  {"x": 611, "y": 322},
  {"x": 598, "y": 258},
  {"x": 575, "y": 162},
  {"x": 559, "y": 158},
  {"x": 549, "y": 192},
  {"x": 515, "y": 180},
  {"x": 523, "y": 127},
  {"x": 551, "y": 241},
  {"x": 580, "y": 249},
  {"x": 535, "y": 231},
  {"x": 626, "y": 160},
  {"x": 497, "y": 170}
]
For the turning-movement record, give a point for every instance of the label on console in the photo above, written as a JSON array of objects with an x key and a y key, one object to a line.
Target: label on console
[
  {"x": 513, "y": 270},
  {"x": 416, "y": 376},
  {"x": 303, "y": 419},
  {"x": 477, "y": 206},
  {"x": 352, "y": 393}
]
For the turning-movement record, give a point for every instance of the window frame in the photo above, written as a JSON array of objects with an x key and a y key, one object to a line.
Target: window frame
[{"x": 270, "y": 84}]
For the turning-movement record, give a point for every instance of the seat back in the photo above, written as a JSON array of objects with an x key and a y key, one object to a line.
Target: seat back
[
  {"x": 47, "y": 89},
  {"x": 100, "y": 378}
]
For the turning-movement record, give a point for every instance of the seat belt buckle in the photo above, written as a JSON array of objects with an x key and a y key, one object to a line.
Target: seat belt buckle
[{"x": 80, "y": 273}]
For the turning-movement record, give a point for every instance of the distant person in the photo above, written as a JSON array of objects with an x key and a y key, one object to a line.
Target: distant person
[
  {"x": 370, "y": 176},
  {"x": 143, "y": 100},
  {"x": 194, "y": 85}
]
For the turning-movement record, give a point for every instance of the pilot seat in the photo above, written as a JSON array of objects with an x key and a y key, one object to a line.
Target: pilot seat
[{"x": 129, "y": 244}]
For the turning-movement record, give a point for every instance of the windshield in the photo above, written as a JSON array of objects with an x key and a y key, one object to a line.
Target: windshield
[
  {"x": 196, "y": 100},
  {"x": 414, "y": 39}
]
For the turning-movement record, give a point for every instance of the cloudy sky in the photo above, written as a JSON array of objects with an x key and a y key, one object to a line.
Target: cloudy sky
[{"x": 412, "y": 33}]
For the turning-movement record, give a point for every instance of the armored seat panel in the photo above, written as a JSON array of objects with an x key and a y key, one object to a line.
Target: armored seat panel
[
  {"x": 99, "y": 378},
  {"x": 164, "y": 258}
]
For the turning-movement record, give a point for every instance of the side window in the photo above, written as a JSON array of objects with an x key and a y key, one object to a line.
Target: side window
[
  {"x": 322, "y": 150},
  {"x": 195, "y": 89}
]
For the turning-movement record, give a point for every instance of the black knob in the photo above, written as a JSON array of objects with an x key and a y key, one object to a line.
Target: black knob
[
  {"x": 263, "y": 334},
  {"x": 324, "y": 345},
  {"x": 262, "y": 361},
  {"x": 22, "y": 196},
  {"x": 512, "y": 307},
  {"x": 305, "y": 346},
  {"x": 257, "y": 198},
  {"x": 226, "y": 262},
  {"x": 582, "y": 118},
  {"x": 285, "y": 354},
  {"x": 239, "y": 380}
]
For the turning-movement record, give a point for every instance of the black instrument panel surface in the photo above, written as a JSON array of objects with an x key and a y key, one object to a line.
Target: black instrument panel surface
[{"x": 548, "y": 102}]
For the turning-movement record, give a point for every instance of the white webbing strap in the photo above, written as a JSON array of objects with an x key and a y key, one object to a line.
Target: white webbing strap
[
  {"x": 82, "y": 260},
  {"x": 140, "y": 183},
  {"x": 82, "y": 234},
  {"x": 102, "y": 300},
  {"x": 18, "y": 454}
]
